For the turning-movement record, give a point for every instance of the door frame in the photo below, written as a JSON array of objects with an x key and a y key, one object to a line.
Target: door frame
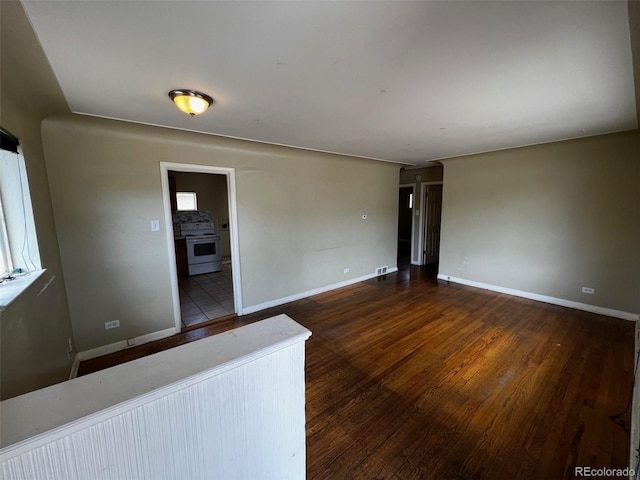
[
  {"x": 423, "y": 218},
  {"x": 230, "y": 173},
  {"x": 413, "y": 217}
]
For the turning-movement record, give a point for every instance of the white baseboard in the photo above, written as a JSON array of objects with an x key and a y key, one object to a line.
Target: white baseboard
[
  {"x": 117, "y": 346},
  {"x": 309, "y": 293},
  {"x": 543, "y": 298}
]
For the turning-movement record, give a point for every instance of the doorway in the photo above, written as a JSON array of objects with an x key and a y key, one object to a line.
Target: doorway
[
  {"x": 200, "y": 297},
  {"x": 405, "y": 224},
  {"x": 430, "y": 236}
]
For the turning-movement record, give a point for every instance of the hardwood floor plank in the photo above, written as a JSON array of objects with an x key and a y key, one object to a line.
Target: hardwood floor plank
[{"x": 410, "y": 378}]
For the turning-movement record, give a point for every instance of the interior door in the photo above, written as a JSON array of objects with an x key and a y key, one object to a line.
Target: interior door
[{"x": 432, "y": 222}]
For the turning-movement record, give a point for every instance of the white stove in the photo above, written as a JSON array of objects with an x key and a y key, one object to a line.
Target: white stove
[
  {"x": 197, "y": 229},
  {"x": 203, "y": 247}
]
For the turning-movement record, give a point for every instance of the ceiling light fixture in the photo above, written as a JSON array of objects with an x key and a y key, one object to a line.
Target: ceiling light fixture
[{"x": 190, "y": 101}]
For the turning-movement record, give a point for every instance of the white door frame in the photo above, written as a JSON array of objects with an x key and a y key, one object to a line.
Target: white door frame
[
  {"x": 423, "y": 217},
  {"x": 230, "y": 173}
]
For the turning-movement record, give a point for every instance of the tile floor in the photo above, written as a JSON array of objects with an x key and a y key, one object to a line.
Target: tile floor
[{"x": 206, "y": 297}]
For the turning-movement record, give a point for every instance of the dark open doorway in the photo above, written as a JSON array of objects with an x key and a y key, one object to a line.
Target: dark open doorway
[{"x": 405, "y": 224}]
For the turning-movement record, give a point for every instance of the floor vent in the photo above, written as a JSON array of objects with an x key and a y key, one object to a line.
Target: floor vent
[{"x": 382, "y": 270}]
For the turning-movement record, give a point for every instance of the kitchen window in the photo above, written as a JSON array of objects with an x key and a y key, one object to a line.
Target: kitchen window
[{"x": 186, "y": 201}]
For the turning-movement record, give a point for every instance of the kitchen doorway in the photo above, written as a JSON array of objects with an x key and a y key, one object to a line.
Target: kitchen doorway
[
  {"x": 208, "y": 194},
  {"x": 405, "y": 224}
]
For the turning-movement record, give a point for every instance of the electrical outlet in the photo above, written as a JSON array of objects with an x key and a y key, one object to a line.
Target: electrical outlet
[
  {"x": 588, "y": 290},
  {"x": 112, "y": 324},
  {"x": 131, "y": 342},
  {"x": 346, "y": 270},
  {"x": 69, "y": 348}
]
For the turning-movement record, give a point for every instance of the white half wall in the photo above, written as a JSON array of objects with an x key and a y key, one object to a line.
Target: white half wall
[
  {"x": 231, "y": 406},
  {"x": 634, "y": 444}
]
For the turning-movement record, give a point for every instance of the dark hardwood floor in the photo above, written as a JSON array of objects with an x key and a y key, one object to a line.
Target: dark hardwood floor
[{"x": 413, "y": 378}]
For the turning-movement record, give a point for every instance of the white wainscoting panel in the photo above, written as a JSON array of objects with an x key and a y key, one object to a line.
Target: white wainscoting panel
[
  {"x": 634, "y": 447},
  {"x": 199, "y": 411}
]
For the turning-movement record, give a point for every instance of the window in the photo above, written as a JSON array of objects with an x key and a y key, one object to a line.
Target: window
[
  {"x": 6, "y": 265},
  {"x": 186, "y": 201},
  {"x": 19, "y": 252}
]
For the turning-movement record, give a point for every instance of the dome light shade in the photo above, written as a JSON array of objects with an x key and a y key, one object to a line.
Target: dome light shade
[{"x": 190, "y": 101}]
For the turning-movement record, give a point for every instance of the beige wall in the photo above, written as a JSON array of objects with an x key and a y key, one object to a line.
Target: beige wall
[
  {"x": 35, "y": 328},
  {"x": 548, "y": 219},
  {"x": 211, "y": 191},
  {"x": 299, "y": 219}
]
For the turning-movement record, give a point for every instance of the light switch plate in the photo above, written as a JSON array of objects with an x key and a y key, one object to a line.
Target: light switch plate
[{"x": 155, "y": 225}]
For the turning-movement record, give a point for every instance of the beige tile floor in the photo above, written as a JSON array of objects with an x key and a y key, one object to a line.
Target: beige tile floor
[{"x": 206, "y": 297}]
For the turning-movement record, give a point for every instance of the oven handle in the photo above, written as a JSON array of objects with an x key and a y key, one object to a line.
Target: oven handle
[{"x": 202, "y": 240}]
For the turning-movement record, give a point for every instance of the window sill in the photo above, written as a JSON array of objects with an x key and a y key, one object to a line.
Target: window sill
[{"x": 10, "y": 290}]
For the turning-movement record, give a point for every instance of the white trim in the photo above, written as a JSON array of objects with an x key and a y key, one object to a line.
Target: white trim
[
  {"x": 246, "y": 139},
  {"x": 428, "y": 164},
  {"x": 315, "y": 291},
  {"x": 173, "y": 267},
  {"x": 121, "y": 389},
  {"x": 524, "y": 145},
  {"x": 422, "y": 223},
  {"x": 230, "y": 173},
  {"x": 543, "y": 298},
  {"x": 122, "y": 345},
  {"x": 75, "y": 367},
  {"x": 10, "y": 290}
]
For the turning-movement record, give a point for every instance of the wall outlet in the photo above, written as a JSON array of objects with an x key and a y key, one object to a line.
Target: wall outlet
[
  {"x": 382, "y": 270},
  {"x": 112, "y": 324},
  {"x": 346, "y": 270},
  {"x": 131, "y": 342},
  {"x": 588, "y": 290}
]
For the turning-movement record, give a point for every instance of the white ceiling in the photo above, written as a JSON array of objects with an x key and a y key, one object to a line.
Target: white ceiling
[{"x": 393, "y": 80}]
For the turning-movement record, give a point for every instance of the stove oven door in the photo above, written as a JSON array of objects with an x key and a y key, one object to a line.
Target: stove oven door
[{"x": 202, "y": 250}]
